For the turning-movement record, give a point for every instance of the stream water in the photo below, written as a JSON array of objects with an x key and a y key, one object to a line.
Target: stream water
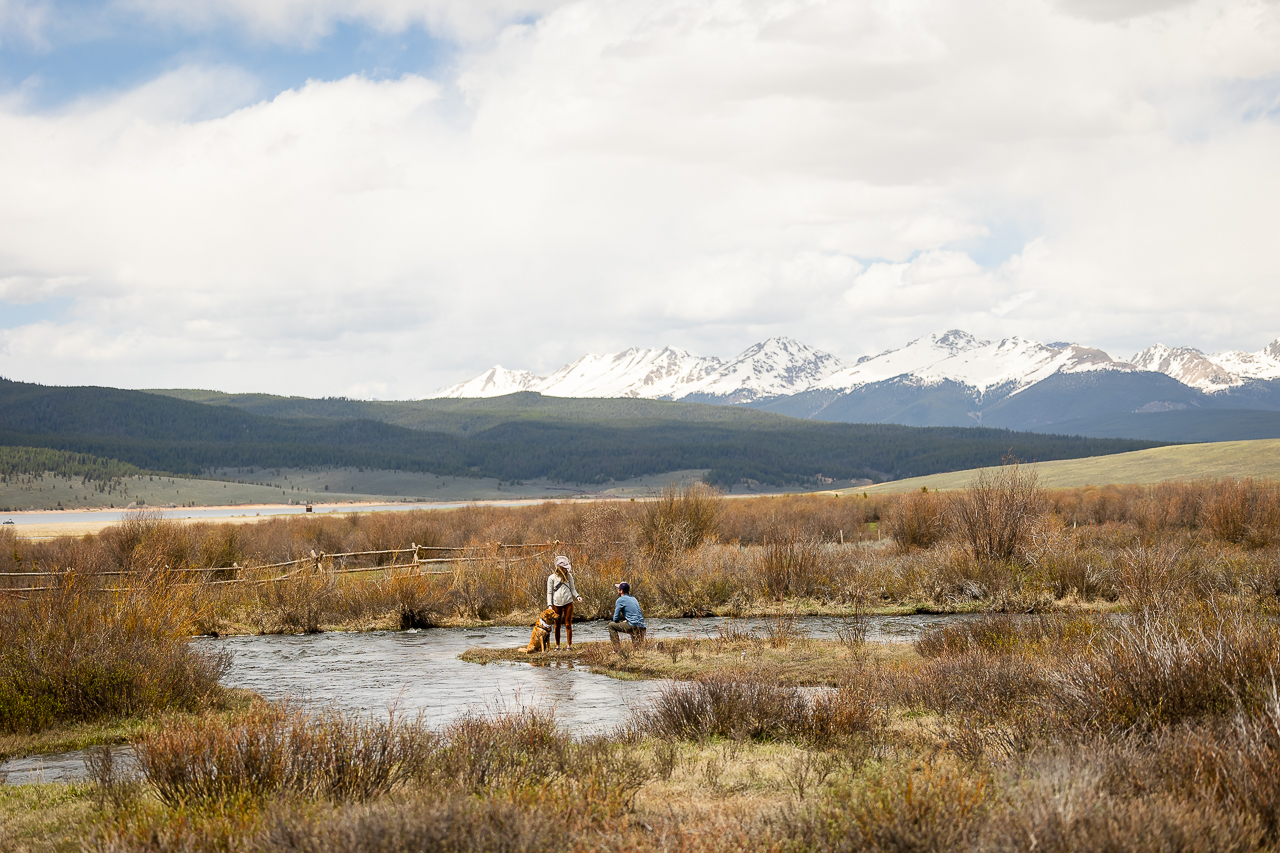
[{"x": 419, "y": 671}]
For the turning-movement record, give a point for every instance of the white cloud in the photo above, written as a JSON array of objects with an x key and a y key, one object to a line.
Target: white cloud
[{"x": 618, "y": 174}]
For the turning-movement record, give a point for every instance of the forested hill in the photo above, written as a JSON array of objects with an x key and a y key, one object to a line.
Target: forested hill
[
  {"x": 466, "y": 416},
  {"x": 510, "y": 439}
]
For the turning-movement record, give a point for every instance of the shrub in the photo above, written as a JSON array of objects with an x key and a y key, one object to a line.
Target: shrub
[
  {"x": 793, "y": 567},
  {"x": 76, "y": 653},
  {"x": 919, "y": 520},
  {"x": 1245, "y": 512},
  {"x": 1054, "y": 634},
  {"x": 682, "y": 517},
  {"x": 725, "y": 706},
  {"x": 271, "y": 750},
  {"x": 995, "y": 515},
  {"x": 1246, "y": 762},
  {"x": 452, "y": 825},
  {"x": 933, "y": 808},
  {"x": 1159, "y": 669}
]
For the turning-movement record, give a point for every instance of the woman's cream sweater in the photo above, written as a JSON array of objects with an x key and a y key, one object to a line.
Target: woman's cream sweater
[{"x": 560, "y": 593}]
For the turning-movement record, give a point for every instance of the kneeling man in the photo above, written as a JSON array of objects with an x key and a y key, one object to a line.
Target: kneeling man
[{"x": 626, "y": 615}]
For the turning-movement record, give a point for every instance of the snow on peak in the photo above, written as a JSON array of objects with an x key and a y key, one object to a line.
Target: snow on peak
[
  {"x": 954, "y": 341},
  {"x": 650, "y": 373},
  {"x": 769, "y": 369},
  {"x": 494, "y": 382},
  {"x": 782, "y": 366},
  {"x": 1211, "y": 373},
  {"x": 958, "y": 356}
]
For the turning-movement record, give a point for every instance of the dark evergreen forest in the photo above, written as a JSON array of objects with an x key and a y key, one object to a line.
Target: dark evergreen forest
[{"x": 581, "y": 445}]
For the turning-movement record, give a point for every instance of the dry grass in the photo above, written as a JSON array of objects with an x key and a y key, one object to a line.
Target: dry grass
[
  {"x": 810, "y": 663},
  {"x": 682, "y": 517},
  {"x": 275, "y": 749},
  {"x": 1002, "y": 545},
  {"x": 76, "y": 655}
]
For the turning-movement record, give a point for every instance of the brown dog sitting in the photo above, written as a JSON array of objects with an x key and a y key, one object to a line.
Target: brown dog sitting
[{"x": 542, "y": 631}]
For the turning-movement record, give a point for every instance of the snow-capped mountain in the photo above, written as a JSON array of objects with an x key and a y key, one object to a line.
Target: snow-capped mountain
[
  {"x": 944, "y": 379},
  {"x": 775, "y": 367},
  {"x": 650, "y": 373},
  {"x": 956, "y": 356},
  {"x": 1211, "y": 373},
  {"x": 494, "y": 382}
]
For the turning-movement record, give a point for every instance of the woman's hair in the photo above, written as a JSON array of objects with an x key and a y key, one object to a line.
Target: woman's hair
[{"x": 562, "y": 568}]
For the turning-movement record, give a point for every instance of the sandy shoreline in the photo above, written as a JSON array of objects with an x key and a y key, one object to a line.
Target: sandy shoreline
[{"x": 236, "y": 514}]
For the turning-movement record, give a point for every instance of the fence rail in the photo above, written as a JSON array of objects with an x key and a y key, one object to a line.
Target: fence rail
[{"x": 321, "y": 563}]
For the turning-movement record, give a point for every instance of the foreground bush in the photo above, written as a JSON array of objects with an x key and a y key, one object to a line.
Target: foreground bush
[
  {"x": 753, "y": 706},
  {"x": 273, "y": 750},
  {"x": 1155, "y": 670},
  {"x": 77, "y": 654}
]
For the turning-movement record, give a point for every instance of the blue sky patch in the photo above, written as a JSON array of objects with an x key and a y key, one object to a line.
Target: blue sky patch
[
  {"x": 119, "y": 54},
  {"x": 13, "y": 315}
]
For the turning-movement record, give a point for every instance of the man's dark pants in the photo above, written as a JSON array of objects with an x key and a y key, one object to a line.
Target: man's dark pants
[{"x": 622, "y": 627}]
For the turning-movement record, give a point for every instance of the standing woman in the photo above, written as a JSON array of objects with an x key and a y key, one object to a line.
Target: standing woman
[{"x": 560, "y": 595}]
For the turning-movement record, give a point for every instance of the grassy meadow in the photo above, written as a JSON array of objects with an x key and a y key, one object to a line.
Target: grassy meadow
[
  {"x": 1236, "y": 459},
  {"x": 1117, "y": 691}
]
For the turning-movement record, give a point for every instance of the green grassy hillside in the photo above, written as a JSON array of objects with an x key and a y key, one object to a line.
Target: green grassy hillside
[{"x": 1182, "y": 462}]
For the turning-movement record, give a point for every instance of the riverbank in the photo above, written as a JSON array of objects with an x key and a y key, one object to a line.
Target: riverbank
[
  {"x": 783, "y": 655},
  {"x": 115, "y": 731}
]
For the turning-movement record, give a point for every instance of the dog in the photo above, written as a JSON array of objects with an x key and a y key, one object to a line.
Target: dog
[{"x": 542, "y": 631}]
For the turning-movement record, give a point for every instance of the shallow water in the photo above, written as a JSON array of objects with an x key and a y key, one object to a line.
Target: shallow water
[{"x": 419, "y": 671}]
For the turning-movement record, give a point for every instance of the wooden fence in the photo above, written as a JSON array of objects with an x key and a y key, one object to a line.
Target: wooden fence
[{"x": 421, "y": 560}]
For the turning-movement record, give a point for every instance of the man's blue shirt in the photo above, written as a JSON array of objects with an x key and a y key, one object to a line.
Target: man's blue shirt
[{"x": 628, "y": 607}]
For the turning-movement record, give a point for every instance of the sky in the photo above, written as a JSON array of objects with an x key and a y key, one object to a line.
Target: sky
[{"x": 378, "y": 198}]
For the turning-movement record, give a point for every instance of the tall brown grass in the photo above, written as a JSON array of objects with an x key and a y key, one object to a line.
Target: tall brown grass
[
  {"x": 76, "y": 654},
  {"x": 754, "y": 706},
  {"x": 1245, "y": 512},
  {"x": 1157, "y": 669},
  {"x": 1005, "y": 546},
  {"x": 682, "y": 517}
]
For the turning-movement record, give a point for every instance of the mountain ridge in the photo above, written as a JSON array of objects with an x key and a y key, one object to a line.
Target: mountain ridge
[
  {"x": 950, "y": 378},
  {"x": 781, "y": 365}
]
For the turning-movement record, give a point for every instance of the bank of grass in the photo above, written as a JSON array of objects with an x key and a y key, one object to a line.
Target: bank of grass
[
  {"x": 75, "y": 654},
  {"x": 112, "y": 731},
  {"x": 797, "y": 661},
  {"x": 42, "y": 818}
]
